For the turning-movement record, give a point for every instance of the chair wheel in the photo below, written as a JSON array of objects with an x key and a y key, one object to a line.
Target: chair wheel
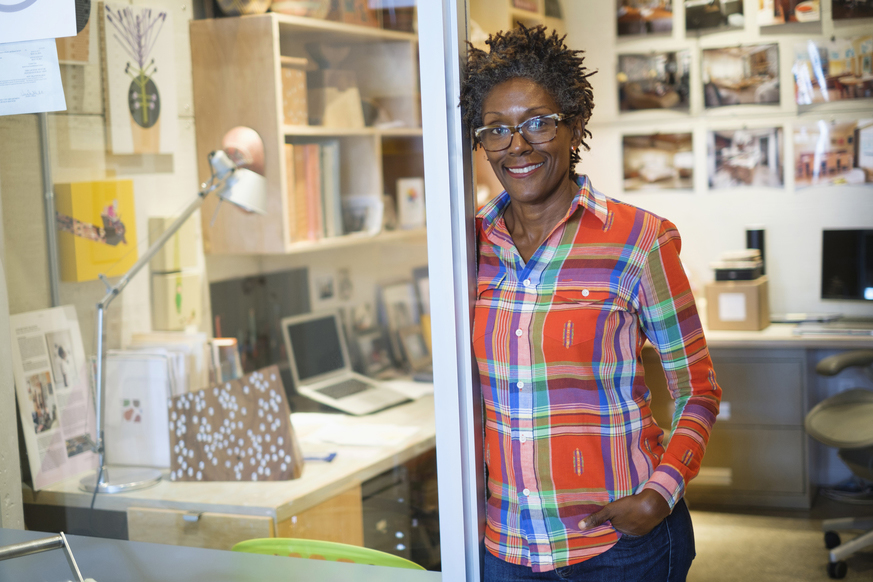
[
  {"x": 837, "y": 570},
  {"x": 831, "y": 539}
]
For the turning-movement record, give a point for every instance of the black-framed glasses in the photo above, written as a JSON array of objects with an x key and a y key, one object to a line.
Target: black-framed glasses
[{"x": 539, "y": 129}]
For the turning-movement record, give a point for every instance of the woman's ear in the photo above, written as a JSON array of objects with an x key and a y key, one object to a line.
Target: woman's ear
[{"x": 578, "y": 128}]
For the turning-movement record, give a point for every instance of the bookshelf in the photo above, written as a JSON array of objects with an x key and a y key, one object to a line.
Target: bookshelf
[{"x": 237, "y": 76}]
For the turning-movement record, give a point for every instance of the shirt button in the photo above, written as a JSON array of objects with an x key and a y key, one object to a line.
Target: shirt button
[
  {"x": 526, "y": 282},
  {"x": 520, "y": 384},
  {"x": 526, "y": 492},
  {"x": 518, "y": 332},
  {"x": 585, "y": 292},
  {"x": 522, "y": 438}
]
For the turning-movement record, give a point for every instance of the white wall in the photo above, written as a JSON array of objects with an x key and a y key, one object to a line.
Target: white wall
[{"x": 713, "y": 222}]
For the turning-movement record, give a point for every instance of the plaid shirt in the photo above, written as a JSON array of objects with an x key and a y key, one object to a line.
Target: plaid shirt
[{"x": 558, "y": 340}]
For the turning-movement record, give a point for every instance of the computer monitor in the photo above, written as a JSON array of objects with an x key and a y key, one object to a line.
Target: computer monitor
[{"x": 847, "y": 264}]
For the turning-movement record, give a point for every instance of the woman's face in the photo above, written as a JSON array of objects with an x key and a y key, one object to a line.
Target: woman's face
[{"x": 530, "y": 173}]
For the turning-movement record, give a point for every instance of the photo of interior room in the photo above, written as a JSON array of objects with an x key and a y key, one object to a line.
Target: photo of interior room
[
  {"x": 833, "y": 153},
  {"x": 851, "y": 9},
  {"x": 654, "y": 81},
  {"x": 744, "y": 157},
  {"x": 639, "y": 17},
  {"x": 833, "y": 70},
  {"x": 774, "y": 12},
  {"x": 658, "y": 162},
  {"x": 741, "y": 75},
  {"x": 713, "y": 14}
]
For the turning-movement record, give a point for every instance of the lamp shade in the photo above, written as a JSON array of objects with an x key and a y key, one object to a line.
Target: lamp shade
[{"x": 246, "y": 190}]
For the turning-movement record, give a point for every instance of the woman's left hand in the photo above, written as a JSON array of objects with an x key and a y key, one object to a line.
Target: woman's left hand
[{"x": 635, "y": 515}]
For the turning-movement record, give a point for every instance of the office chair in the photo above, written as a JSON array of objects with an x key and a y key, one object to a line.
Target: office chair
[
  {"x": 320, "y": 550},
  {"x": 845, "y": 421}
]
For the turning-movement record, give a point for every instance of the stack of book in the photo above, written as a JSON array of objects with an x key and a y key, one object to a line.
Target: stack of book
[{"x": 313, "y": 186}]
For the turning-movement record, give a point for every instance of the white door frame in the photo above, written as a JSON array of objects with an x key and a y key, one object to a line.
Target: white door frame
[{"x": 450, "y": 199}]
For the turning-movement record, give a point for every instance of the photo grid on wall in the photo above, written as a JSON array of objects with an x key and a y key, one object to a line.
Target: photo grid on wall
[{"x": 828, "y": 150}]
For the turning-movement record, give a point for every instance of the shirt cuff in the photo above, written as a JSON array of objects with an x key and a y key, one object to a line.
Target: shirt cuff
[{"x": 667, "y": 482}]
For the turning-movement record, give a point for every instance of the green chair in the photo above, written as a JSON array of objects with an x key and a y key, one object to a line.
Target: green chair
[{"x": 319, "y": 550}]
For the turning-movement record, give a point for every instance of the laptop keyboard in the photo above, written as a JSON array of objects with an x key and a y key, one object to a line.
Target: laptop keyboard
[{"x": 344, "y": 388}]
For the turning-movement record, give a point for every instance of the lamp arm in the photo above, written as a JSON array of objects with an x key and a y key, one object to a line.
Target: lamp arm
[{"x": 114, "y": 291}]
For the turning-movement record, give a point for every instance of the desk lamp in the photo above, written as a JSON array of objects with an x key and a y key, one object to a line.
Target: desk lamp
[{"x": 237, "y": 177}]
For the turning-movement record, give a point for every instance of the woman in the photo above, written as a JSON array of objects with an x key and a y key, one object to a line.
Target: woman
[{"x": 571, "y": 284}]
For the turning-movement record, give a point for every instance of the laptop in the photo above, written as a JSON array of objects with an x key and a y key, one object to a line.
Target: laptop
[{"x": 320, "y": 366}]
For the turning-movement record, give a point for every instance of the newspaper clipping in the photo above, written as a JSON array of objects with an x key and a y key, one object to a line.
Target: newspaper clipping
[{"x": 54, "y": 397}]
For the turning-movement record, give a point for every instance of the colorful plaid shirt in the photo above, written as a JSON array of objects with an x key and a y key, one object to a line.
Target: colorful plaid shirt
[{"x": 558, "y": 343}]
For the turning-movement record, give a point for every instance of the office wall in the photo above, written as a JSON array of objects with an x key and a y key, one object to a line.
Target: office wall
[{"x": 712, "y": 222}]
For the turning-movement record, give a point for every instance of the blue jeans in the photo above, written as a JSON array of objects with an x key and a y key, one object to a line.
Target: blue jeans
[{"x": 662, "y": 555}]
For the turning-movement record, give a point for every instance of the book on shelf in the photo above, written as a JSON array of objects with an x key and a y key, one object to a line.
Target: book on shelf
[{"x": 313, "y": 185}]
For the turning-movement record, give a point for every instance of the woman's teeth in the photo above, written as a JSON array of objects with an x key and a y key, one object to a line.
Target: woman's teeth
[{"x": 525, "y": 169}]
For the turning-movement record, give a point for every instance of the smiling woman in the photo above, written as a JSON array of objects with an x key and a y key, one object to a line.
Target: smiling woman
[{"x": 570, "y": 286}]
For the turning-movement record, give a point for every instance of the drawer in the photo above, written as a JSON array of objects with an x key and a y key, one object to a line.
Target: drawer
[
  {"x": 761, "y": 460},
  {"x": 761, "y": 391},
  {"x": 219, "y": 531}
]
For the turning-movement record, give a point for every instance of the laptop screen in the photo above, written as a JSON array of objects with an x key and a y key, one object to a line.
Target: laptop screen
[{"x": 315, "y": 346}]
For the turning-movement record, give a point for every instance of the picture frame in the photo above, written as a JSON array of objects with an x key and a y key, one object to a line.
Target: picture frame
[
  {"x": 744, "y": 158},
  {"x": 399, "y": 308},
  {"x": 414, "y": 348},
  {"x": 373, "y": 351},
  {"x": 656, "y": 80},
  {"x": 825, "y": 153},
  {"x": 741, "y": 75}
]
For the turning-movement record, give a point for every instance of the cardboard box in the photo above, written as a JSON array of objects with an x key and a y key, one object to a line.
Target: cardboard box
[
  {"x": 176, "y": 301},
  {"x": 96, "y": 229},
  {"x": 180, "y": 252},
  {"x": 738, "y": 305}
]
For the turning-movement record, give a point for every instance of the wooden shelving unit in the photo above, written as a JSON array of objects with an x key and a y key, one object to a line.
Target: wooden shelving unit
[{"x": 236, "y": 66}]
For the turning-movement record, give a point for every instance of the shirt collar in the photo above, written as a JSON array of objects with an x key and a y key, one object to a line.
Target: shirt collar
[{"x": 587, "y": 197}]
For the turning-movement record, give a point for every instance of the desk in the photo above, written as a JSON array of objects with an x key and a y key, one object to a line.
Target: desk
[
  {"x": 120, "y": 561},
  {"x": 759, "y": 453},
  {"x": 325, "y": 503}
]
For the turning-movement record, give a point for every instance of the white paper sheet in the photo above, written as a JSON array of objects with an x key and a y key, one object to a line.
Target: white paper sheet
[
  {"x": 36, "y": 19},
  {"x": 30, "y": 77},
  {"x": 52, "y": 382},
  {"x": 363, "y": 435}
]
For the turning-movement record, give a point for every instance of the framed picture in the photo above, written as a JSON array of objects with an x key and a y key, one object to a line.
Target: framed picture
[
  {"x": 703, "y": 15},
  {"x": 851, "y": 9},
  {"x": 400, "y": 305},
  {"x": 373, "y": 350},
  {"x": 654, "y": 81},
  {"x": 833, "y": 70},
  {"x": 774, "y": 12},
  {"x": 659, "y": 161},
  {"x": 833, "y": 153},
  {"x": 640, "y": 17},
  {"x": 741, "y": 75},
  {"x": 414, "y": 348},
  {"x": 744, "y": 158}
]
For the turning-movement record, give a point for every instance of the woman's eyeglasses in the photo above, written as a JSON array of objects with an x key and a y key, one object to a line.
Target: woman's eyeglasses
[{"x": 539, "y": 129}]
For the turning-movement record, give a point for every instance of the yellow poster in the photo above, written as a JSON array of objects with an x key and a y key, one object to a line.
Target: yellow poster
[{"x": 96, "y": 229}]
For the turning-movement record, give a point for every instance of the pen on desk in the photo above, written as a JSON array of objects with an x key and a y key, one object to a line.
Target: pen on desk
[{"x": 326, "y": 458}]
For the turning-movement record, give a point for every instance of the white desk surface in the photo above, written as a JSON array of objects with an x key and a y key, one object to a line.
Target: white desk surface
[
  {"x": 781, "y": 335},
  {"x": 277, "y": 499}
]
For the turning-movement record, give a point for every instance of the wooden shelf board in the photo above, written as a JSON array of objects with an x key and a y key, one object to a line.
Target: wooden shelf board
[
  {"x": 522, "y": 14},
  {"x": 330, "y": 31},
  {"x": 354, "y": 239},
  {"x": 319, "y": 131}
]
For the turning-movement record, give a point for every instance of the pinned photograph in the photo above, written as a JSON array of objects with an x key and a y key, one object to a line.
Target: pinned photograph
[
  {"x": 709, "y": 15},
  {"x": 60, "y": 346},
  {"x": 834, "y": 70},
  {"x": 775, "y": 12},
  {"x": 851, "y": 9},
  {"x": 833, "y": 153},
  {"x": 654, "y": 81},
  {"x": 741, "y": 75},
  {"x": 44, "y": 409},
  {"x": 659, "y": 161},
  {"x": 744, "y": 158},
  {"x": 640, "y": 17}
]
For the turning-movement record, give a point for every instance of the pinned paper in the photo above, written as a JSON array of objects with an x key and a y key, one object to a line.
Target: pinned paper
[
  {"x": 24, "y": 20},
  {"x": 31, "y": 77}
]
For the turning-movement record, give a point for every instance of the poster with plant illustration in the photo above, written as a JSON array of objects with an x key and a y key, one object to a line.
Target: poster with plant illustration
[{"x": 140, "y": 79}]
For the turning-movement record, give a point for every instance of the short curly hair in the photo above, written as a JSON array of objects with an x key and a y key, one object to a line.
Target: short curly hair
[{"x": 530, "y": 53}]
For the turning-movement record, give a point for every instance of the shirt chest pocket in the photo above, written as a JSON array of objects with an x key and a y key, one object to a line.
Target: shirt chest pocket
[
  {"x": 485, "y": 311},
  {"x": 576, "y": 317}
]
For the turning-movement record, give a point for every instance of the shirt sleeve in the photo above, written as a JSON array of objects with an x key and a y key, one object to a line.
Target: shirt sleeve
[{"x": 669, "y": 319}]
